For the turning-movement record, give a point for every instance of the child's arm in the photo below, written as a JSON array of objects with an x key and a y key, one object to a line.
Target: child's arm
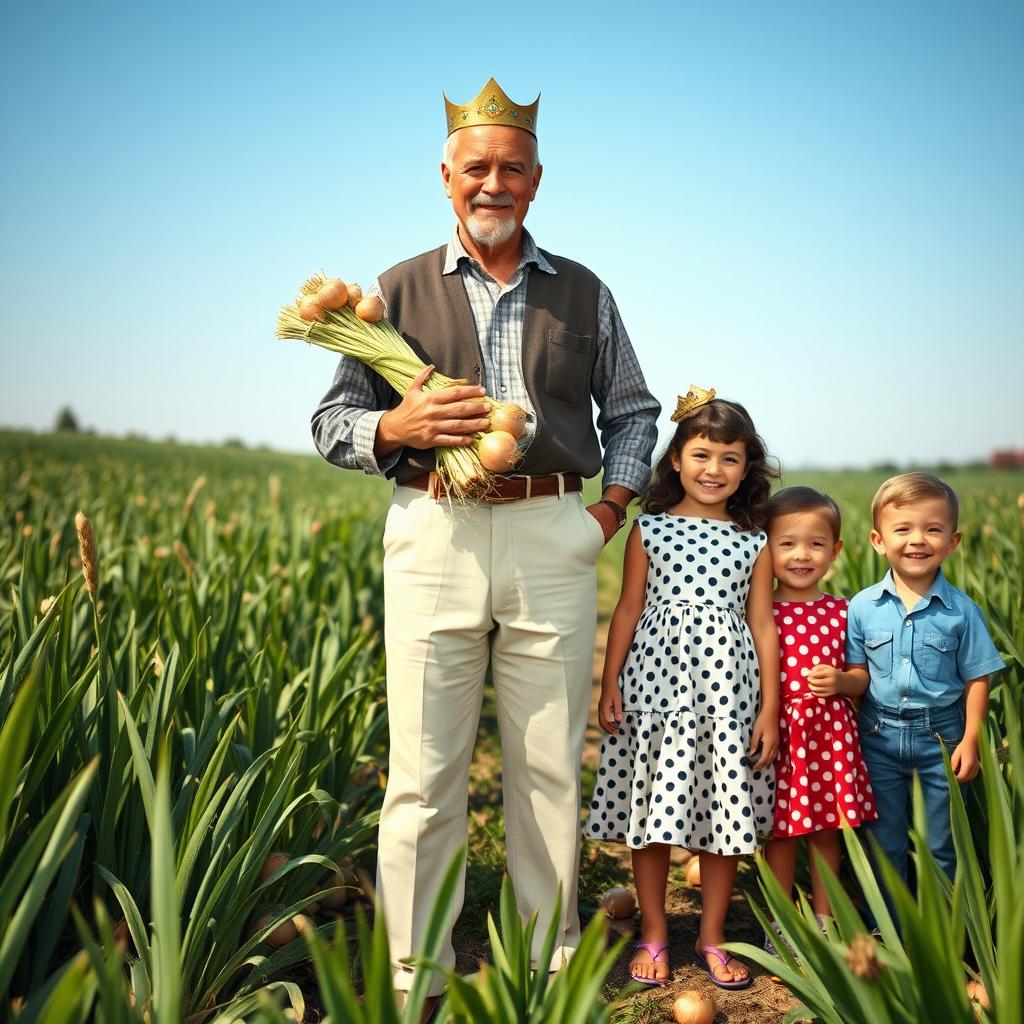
[
  {"x": 857, "y": 678},
  {"x": 766, "y": 644},
  {"x": 976, "y": 660},
  {"x": 621, "y": 629},
  {"x": 964, "y": 760},
  {"x": 826, "y": 681}
]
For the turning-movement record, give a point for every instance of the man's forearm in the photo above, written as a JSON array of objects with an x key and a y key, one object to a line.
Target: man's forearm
[
  {"x": 619, "y": 494},
  {"x": 386, "y": 441}
]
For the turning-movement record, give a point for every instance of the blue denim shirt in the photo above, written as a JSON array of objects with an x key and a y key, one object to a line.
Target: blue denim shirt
[{"x": 921, "y": 658}]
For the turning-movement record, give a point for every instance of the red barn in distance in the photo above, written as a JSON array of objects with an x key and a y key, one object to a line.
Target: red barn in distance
[{"x": 1007, "y": 458}]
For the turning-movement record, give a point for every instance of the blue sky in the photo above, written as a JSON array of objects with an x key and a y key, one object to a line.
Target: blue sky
[{"x": 816, "y": 208}]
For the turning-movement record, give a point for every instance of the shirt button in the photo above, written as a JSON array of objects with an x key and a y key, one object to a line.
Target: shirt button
[
  {"x": 503, "y": 388},
  {"x": 903, "y": 698},
  {"x": 907, "y": 623},
  {"x": 906, "y": 661}
]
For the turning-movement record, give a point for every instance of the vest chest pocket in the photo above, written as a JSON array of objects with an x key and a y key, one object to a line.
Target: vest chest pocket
[
  {"x": 879, "y": 647},
  {"x": 937, "y": 655},
  {"x": 567, "y": 373}
]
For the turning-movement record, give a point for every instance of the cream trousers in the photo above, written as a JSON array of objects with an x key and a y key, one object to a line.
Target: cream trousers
[{"x": 513, "y": 583}]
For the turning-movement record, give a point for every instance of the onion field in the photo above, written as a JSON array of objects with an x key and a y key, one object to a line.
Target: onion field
[{"x": 191, "y": 681}]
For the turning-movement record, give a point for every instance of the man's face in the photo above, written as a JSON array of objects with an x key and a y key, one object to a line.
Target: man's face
[
  {"x": 491, "y": 180},
  {"x": 916, "y": 539}
]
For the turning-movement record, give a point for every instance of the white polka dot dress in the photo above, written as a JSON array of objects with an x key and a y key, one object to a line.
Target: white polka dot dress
[
  {"x": 820, "y": 771},
  {"x": 676, "y": 772}
]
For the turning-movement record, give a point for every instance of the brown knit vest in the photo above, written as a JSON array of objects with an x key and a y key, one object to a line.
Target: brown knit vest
[{"x": 431, "y": 311}]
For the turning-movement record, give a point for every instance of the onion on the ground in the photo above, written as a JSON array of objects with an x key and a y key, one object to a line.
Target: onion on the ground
[
  {"x": 274, "y": 862},
  {"x": 618, "y": 903},
  {"x": 281, "y": 935},
  {"x": 693, "y": 872},
  {"x": 693, "y": 1007}
]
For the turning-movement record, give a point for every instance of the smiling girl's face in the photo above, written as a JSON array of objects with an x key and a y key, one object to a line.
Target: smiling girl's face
[
  {"x": 710, "y": 473},
  {"x": 802, "y": 547}
]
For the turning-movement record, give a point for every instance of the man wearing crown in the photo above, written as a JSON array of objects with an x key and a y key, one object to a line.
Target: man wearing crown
[{"x": 508, "y": 582}]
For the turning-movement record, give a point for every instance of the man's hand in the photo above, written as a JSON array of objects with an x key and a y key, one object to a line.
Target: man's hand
[
  {"x": 609, "y": 709},
  {"x": 433, "y": 419},
  {"x": 765, "y": 736},
  {"x": 823, "y": 681},
  {"x": 606, "y": 519},
  {"x": 964, "y": 760}
]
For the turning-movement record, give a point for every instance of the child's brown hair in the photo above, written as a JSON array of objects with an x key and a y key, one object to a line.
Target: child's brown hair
[
  {"x": 724, "y": 423},
  {"x": 796, "y": 500}
]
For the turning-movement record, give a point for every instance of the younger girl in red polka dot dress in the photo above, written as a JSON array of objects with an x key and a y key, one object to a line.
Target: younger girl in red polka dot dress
[{"x": 820, "y": 774}]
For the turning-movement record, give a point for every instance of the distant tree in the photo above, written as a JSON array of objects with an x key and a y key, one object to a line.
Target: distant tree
[
  {"x": 66, "y": 422},
  {"x": 233, "y": 442},
  {"x": 885, "y": 467}
]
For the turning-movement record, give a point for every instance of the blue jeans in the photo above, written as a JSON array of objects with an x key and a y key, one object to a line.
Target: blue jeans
[{"x": 896, "y": 745}]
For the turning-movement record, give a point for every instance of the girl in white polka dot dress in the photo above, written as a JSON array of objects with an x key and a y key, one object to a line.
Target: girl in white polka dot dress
[
  {"x": 820, "y": 774},
  {"x": 690, "y": 691}
]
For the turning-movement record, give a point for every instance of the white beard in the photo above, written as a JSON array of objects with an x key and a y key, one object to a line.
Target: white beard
[{"x": 488, "y": 230}]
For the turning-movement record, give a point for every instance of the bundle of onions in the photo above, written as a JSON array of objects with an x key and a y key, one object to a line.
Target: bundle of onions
[{"x": 337, "y": 317}]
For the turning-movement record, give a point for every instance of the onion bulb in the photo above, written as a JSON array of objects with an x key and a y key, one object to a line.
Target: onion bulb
[
  {"x": 694, "y": 1007},
  {"x": 355, "y": 293},
  {"x": 274, "y": 862},
  {"x": 498, "y": 451},
  {"x": 618, "y": 903},
  {"x": 344, "y": 878},
  {"x": 693, "y": 872},
  {"x": 281, "y": 935},
  {"x": 310, "y": 309},
  {"x": 510, "y": 418},
  {"x": 370, "y": 308},
  {"x": 977, "y": 994},
  {"x": 332, "y": 294}
]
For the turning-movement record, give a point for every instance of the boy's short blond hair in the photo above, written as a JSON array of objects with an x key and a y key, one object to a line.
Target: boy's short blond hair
[{"x": 908, "y": 488}]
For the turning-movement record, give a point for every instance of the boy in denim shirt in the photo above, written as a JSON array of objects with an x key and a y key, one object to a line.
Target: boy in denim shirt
[{"x": 927, "y": 653}]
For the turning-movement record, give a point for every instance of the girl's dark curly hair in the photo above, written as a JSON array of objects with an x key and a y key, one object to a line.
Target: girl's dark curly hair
[{"x": 725, "y": 423}]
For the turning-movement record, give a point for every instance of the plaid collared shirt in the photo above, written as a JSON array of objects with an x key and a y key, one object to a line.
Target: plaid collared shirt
[{"x": 345, "y": 422}]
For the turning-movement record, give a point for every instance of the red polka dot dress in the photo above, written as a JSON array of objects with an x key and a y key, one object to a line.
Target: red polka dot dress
[{"x": 819, "y": 770}]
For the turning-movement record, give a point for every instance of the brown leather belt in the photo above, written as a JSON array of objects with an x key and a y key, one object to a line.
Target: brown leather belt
[{"x": 507, "y": 488}]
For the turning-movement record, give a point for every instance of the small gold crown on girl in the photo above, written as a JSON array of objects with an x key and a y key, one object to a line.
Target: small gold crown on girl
[{"x": 694, "y": 399}]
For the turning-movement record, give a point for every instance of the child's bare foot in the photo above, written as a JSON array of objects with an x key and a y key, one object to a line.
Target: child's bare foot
[{"x": 649, "y": 965}]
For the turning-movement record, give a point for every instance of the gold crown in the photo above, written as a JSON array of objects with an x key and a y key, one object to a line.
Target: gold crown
[
  {"x": 689, "y": 403},
  {"x": 491, "y": 106}
]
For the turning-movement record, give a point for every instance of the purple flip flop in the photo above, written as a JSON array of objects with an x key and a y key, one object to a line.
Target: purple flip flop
[
  {"x": 653, "y": 950},
  {"x": 724, "y": 959}
]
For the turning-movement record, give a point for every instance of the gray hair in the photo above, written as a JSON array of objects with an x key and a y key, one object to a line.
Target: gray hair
[{"x": 448, "y": 154}]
